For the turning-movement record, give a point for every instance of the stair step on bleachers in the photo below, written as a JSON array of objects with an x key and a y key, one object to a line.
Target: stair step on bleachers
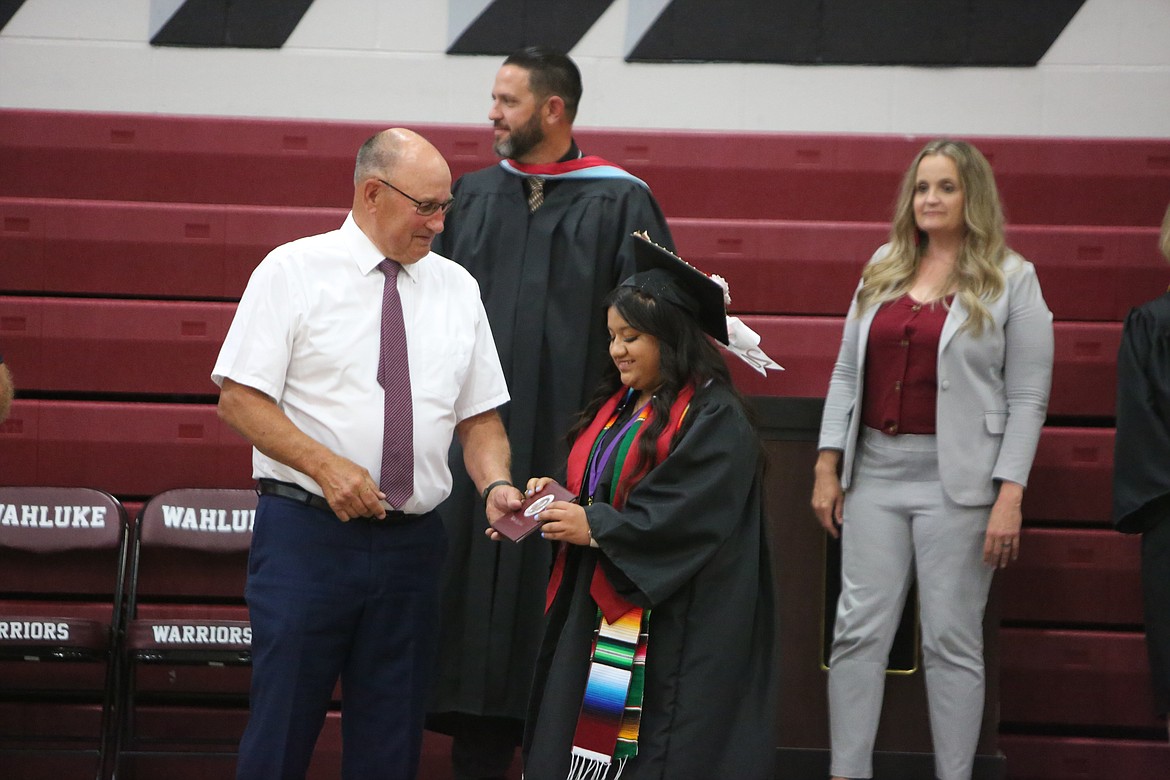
[
  {"x": 156, "y": 250},
  {"x": 693, "y": 173},
  {"x": 1071, "y": 575},
  {"x": 130, "y": 449},
  {"x": 791, "y": 267},
  {"x": 100, "y": 346},
  {"x": 1072, "y": 476},
  {"x": 1082, "y": 758},
  {"x": 168, "y": 347},
  {"x": 1076, "y": 678},
  {"x": 166, "y": 250},
  {"x": 1085, "y": 362}
]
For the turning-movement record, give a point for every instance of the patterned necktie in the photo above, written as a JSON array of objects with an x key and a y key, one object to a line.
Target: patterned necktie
[
  {"x": 535, "y": 193},
  {"x": 397, "y": 480}
]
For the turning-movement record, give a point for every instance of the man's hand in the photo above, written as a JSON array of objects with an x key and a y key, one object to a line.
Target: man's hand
[
  {"x": 502, "y": 501},
  {"x": 349, "y": 489}
]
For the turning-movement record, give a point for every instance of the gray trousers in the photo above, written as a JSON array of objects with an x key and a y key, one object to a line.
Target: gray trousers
[{"x": 899, "y": 523}]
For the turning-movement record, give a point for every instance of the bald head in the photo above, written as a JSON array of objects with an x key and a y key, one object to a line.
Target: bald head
[
  {"x": 384, "y": 151},
  {"x": 396, "y": 171}
]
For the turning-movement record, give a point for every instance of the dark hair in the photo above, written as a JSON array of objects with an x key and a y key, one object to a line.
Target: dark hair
[
  {"x": 685, "y": 356},
  {"x": 550, "y": 73}
]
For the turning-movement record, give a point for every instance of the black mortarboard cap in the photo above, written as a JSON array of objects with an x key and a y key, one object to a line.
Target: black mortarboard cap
[{"x": 665, "y": 276}]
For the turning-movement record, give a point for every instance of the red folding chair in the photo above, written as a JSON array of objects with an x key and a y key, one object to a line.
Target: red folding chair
[
  {"x": 187, "y": 651},
  {"x": 62, "y": 561}
]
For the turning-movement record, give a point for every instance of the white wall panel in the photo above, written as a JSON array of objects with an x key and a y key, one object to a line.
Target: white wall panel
[{"x": 384, "y": 60}]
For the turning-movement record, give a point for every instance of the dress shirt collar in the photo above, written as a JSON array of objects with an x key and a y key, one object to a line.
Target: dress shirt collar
[{"x": 367, "y": 256}]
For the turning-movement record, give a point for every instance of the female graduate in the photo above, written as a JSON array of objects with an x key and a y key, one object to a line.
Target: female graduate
[{"x": 657, "y": 661}]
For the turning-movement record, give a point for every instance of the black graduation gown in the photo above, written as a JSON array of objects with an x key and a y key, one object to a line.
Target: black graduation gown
[
  {"x": 690, "y": 544},
  {"x": 542, "y": 278},
  {"x": 1141, "y": 471},
  {"x": 1141, "y": 461}
]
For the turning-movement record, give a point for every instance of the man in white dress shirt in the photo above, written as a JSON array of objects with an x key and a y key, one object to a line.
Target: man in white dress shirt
[{"x": 342, "y": 584}]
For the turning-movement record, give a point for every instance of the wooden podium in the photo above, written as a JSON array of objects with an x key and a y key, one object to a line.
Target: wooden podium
[{"x": 806, "y": 562}]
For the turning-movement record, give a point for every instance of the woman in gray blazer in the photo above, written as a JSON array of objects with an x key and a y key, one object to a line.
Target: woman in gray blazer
[{"x": 925, "y": 449}]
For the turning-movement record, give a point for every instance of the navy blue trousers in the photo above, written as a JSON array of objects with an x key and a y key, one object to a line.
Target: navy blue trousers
[{"x": 354, "y": 601}]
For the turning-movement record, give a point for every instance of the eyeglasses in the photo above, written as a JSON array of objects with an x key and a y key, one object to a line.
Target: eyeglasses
[{"x": 424, "y": 208}]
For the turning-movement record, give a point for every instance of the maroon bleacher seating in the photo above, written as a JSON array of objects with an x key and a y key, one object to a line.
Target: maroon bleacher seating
[
  {"x": 1085, "y": 362},
  {"x": 788, "y": 267},
  {"x": 133, "y": 449},
  {"x": 179, "y": 159},
  {"x": 795, "y": 176},
  {"x": 1081, "y": 758},
  {"x": 1044, "y": 181},
  {"x": 1076, "y": 678},
  {"x": 1074, "y": 576},
  {"x": 155, "y": 347},
  {"x": 103, "y": 345},
  {"x": 169, "y": 250},
  {"x": 183, "y": 159},
  {"x": 170, "y": 728},
  {"x": 1093, "y": 272},
  {"x": 1072, "y": 476},
  {"x": 807, "y": 348},
  {"x": 151, "y": 250}
]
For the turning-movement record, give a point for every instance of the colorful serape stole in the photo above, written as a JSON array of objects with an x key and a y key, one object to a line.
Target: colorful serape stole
[{"x": 611, "y": 713}]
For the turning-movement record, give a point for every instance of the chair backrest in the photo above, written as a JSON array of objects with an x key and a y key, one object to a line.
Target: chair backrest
[
  {"x": 60, "y": 541},
  {"x": 192, "y": 544},
  {"x": 62, "y": 566}
]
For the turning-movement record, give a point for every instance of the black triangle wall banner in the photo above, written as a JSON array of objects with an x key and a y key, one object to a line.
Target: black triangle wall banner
[
  {"x": 857, "y": 32},
  {"x": 507, "y": 25},
  {"x": 242, "y": 24},
  {"x": 8, "y": 9}
]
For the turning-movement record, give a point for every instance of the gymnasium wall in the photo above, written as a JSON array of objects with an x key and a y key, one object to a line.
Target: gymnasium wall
[{"x": 1105, "y": 73}]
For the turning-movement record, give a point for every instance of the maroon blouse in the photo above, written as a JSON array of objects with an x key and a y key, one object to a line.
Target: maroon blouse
[{"x": 901, "y": 366}]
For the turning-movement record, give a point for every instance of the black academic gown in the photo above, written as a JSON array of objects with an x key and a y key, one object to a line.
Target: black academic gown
[
  {"x": 1141, "y": 463},
  {"x": 542, "y": 278},
  {"x": 690, "y": 544},
  {"x": 1141, "y": 471}
]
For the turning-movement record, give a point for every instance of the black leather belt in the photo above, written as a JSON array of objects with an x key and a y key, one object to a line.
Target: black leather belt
[{"x": 272, "y": 487}]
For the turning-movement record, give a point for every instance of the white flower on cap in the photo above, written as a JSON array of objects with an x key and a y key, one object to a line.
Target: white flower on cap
[{"x": 719, "y": 280}]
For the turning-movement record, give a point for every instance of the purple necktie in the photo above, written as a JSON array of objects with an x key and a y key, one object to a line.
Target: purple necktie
[{"x": 394, "y": 376}]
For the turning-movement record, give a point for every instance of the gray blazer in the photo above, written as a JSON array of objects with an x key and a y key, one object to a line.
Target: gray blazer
[{"x": 992, "y": 389}]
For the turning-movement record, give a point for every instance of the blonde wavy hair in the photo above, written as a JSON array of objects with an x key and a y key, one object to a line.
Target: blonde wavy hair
[{"x": 978, "y": 273}]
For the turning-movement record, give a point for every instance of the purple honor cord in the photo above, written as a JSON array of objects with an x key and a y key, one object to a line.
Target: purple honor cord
[{"x": 600, "y": 458}]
